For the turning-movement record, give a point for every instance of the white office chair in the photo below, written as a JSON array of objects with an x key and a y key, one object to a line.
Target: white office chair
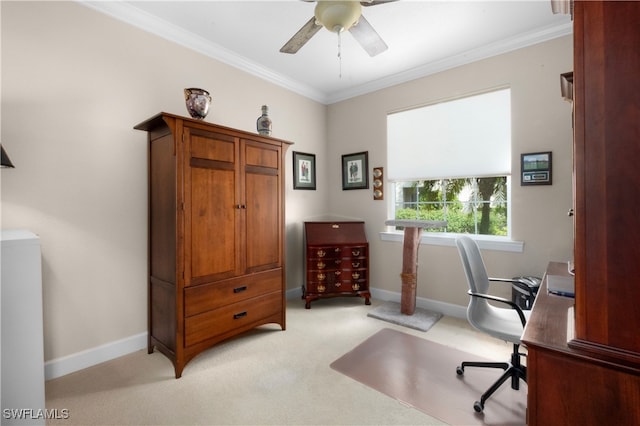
[{"x": 504, "y": 323}]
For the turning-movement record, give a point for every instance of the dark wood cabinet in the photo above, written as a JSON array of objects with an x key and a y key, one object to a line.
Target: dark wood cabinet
[
  {"x": 607, "y": 177},
  {"x": 336, "y": 261},
  {"x": 584, "y": 354},
  {"x": 216, "y": 234}
]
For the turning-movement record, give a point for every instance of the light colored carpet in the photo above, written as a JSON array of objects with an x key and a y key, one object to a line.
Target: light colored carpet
[
  {"x": 265, "y": 377},
  {"x": 422, "y": 374},
  {"x": 422, "y": 319}
]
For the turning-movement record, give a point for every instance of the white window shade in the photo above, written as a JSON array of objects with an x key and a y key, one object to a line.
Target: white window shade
[{"x": 468, "y": 137}]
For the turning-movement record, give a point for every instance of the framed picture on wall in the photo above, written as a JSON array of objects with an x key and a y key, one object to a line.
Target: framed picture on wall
[
  {"x": 536, "y": 168},
  {"x": 355, "y": 171},
  {"x": 304, "y": 170}
]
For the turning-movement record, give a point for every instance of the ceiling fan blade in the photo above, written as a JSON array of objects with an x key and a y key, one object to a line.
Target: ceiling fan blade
[
  {"x": 368, "y": 38},
  {"x": 375, "y": 2},
  {"x": 301, "y": 37}
]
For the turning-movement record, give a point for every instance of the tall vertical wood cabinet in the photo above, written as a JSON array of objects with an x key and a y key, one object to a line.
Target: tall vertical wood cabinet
[
  {"x": 588, "y": 372},
  {"x": 607, "y": 177},
  {"x": 216, "y": 234}
]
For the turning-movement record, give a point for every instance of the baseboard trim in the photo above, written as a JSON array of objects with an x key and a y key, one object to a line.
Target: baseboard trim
[
  {"x": 444, "y": 308},
  {"x": 80, "y": 360}
]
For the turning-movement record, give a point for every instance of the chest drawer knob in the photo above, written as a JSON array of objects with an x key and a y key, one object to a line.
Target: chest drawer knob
[
  {"x": 321, "y": 277},
  {"x": 355, "y": 252},
  {"x": 355, "y": 275},
  {"x": 355, "y": 264},
  {"x": 321, "y": 265},
  {"x": 321, "y": 253}
]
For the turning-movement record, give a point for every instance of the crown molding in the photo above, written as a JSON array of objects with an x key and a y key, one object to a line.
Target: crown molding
[
  {"x": 131, "y": 15},
  {"x": 484, "y": 52}
]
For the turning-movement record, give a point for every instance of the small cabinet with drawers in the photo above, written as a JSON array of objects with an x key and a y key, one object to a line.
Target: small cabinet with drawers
[{"x": 336, "y": 261}]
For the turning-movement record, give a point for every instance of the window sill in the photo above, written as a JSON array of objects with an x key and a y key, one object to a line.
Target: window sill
[{"x": 487, "y": 242}]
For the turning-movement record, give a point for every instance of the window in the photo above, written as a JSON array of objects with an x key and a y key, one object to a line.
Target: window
[
  {"x": 452, "y": 161},
  {"x": 469, "y": 205}
]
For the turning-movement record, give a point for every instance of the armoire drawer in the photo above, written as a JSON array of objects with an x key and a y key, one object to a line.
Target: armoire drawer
[
  {"x": 206, "y": 297},
  {"x": 221, "y": 320}
]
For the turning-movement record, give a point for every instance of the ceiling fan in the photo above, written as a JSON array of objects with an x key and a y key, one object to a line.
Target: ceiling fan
[{"x": 339, "y": 16}]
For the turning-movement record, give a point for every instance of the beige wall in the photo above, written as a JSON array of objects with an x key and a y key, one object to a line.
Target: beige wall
[
  {"x": 541, "y": 121},
  {"x": 75, "y": 82}
]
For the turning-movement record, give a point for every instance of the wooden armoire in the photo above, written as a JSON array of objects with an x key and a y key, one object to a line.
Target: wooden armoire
[
  {"x": 584, "y": 356},
  {"x": 216, "y": 234}
]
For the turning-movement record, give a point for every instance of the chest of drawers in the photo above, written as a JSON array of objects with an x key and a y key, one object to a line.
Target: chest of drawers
[{"x": 336, "y": 261}]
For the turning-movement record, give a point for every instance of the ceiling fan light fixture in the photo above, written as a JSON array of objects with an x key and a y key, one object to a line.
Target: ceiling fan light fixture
[{"x": 338, "y": 16}]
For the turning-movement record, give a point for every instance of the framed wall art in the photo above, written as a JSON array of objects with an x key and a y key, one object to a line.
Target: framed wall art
[
  {"x": 535, "y": 168},
  {"x": 355, "y": 171},
  {"x": 304, "y": 170}
]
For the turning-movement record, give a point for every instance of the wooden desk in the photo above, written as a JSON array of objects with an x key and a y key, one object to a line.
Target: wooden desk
[{"x": 568, "y": 386}]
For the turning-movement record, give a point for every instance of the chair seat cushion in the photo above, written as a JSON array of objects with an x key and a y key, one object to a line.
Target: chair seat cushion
[{"x": 502, "y": 323}]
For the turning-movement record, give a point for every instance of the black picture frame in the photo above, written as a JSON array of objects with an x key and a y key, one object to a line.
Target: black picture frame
[
  {"x": 536, "y": 168},
  {"x": 304, "y": 170},
  {"x": 355, "y": 171}
]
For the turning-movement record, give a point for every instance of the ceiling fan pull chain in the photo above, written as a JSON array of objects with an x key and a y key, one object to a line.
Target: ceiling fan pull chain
[{"x": 340, "y": 53}]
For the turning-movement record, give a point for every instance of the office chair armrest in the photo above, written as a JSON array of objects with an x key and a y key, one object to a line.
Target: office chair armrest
[
  {"x": 517, "y": 283},
  {"x": 518, "y": 309}
]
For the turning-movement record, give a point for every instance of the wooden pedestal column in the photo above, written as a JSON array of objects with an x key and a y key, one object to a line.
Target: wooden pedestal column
[
  {"x": 409, "y": 273},
  {"x": 409, "y": 276}
]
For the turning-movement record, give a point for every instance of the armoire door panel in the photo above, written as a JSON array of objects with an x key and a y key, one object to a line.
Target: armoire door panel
[
  {"x": 263, "y": 239},
  {"x": 261, "y": 155},
  {"x": 212, "y": 146},
  {"x": 213, "y": 223}
]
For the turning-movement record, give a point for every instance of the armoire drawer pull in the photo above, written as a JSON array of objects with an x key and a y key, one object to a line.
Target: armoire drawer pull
[
  {"x": 240, "y": 289},
  {"x": 240, "y": 315}
]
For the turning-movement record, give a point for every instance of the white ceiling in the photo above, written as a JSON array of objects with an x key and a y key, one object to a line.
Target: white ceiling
[{"x": 423, "y": 37}]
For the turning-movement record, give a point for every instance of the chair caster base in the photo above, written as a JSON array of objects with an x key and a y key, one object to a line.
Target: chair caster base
[
  {"x": 478, "y": 406},
  {"x": 459, "y": 370}
]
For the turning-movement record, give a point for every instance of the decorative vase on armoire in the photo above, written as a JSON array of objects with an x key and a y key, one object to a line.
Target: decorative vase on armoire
[{"x": 263, "y": 123}]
